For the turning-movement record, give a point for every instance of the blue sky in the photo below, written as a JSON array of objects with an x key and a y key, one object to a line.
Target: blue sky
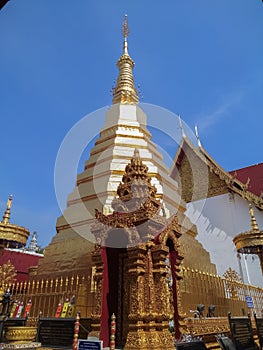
[{"x": 199, "y": 58}]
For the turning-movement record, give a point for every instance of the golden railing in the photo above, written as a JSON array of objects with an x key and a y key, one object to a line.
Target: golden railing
[
  {"x": 45, "y": 295},
  {"x": 199, "y": 287},
  {"x": 196, "y": 287}
]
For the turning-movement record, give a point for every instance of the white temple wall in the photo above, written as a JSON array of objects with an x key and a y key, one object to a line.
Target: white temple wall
[{"x": 219, "y": 219}]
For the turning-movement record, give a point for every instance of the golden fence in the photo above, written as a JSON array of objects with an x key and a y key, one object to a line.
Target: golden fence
[
  {"x": 226, "y": 295},
  {"x": 45, "y": 295},
  {"x": 196, "y": 287}
]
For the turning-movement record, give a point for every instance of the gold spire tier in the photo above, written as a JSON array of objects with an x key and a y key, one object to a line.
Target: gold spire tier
[
  {"x": 12, "y": 236},
  {"x": 125, "y": 91}
]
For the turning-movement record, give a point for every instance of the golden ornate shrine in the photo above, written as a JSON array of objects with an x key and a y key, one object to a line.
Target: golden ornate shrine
[
  {"x": 133, "y": 247},
  {"x": 251, "y": 242}
]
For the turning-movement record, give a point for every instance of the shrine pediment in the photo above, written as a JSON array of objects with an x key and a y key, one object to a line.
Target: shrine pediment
[{"x": 200, "y": 177}]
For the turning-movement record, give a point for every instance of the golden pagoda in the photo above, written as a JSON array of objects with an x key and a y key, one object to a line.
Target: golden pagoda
[
  {"x": 125, "y": 129},
  {"x": 11, "y": 235}
]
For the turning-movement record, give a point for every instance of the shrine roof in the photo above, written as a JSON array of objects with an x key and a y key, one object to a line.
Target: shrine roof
[{"x": 234, "y": 181}]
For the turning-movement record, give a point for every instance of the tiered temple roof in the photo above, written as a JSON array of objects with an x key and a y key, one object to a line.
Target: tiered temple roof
[{"x": 191, "y": 163}]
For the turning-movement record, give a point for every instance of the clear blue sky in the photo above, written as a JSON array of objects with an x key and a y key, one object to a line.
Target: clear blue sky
[{"x": 200, "y": 58}]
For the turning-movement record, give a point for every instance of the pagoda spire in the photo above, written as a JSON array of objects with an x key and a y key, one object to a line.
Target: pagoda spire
[
  {"x": 125, "y": 91},
  {"x": 33, "y": 246},
  {"x": 6, "y": 216},
  {"x": 254, "y": 225}
]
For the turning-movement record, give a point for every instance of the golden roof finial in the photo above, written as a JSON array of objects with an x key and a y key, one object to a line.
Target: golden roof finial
[
  {"x": 254, "y": 225},
  {"x": 181, "y": 126},
  {"x": 197, "y": 136},
  {"x": 6, "y": 217},
  {"x": 124, "y": 91}
]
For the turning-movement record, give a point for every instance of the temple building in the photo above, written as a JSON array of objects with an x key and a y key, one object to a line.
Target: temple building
[
  {"x": 142, "y": 240},
  {"x": 218, "y": 203},
  {"x": 13, "y": 253}
]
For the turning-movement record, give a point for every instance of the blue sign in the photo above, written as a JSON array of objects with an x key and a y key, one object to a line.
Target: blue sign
[
  {"x": 249, "y": 301},
  {"x": 89, "y": 345}
]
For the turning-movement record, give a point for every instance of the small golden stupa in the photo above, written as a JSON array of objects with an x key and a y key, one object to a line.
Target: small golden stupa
[
  {"x": 251, "y": 242},
  {"x": 11, "y": 235}
]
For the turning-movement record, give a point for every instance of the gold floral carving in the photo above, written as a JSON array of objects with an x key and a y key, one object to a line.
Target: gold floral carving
[
  {"x": 98, "y": 279},
  {"x": 7, "y": 276},
  {"x": 197, "y": 326}
]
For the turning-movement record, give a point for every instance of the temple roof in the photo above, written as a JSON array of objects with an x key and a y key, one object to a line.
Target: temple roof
[
  {"x": 252, "y": 174},
  {"x": 192, "y": 163}
]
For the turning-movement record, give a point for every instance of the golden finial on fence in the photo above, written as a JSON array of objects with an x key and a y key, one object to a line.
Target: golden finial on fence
[
  {"x": 76, "y": 332},
  {"x": 112, "y": 332}
]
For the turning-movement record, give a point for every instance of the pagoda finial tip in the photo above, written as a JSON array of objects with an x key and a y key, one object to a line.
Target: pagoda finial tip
[
  {"x": 125, "y": 27},
  {"x": 6, "y": 217},
  {"x": 9, "y": 202},
  {"x": 125, "y": 91}
]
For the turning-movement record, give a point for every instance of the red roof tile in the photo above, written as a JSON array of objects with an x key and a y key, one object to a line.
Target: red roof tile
[{"x": 255, "y": 174}]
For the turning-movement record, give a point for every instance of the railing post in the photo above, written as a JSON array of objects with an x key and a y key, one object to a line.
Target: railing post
[
  {"x": 112, "y": 332},
  {"x": 76, "y": 332}
]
